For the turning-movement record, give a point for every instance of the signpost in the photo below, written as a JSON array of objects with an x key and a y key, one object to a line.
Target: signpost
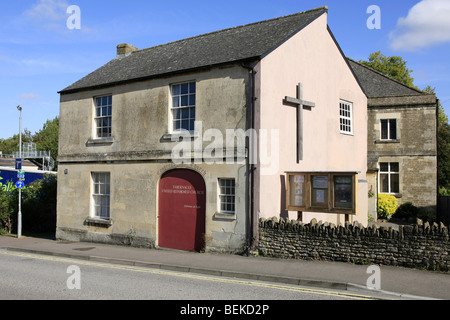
[
  {"x": 20, "y": 184},
  {"x": 18, "y": 164},
  {"x": 21, "y": 175}
]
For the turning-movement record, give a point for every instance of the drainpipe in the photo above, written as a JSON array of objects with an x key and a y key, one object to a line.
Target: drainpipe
[
  {"x": 251, "y": 166},
  {"x": 438, "y": 213}
]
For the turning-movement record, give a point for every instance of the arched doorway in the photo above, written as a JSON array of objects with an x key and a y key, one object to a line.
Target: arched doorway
[{"x": 182, "y": 200}]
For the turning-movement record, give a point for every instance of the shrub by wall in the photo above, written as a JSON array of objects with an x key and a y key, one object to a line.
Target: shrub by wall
[
  {"x": 421, "y": 245},
  {"x": 387, "y": 205},
  {"x": 38, "y": 207}
]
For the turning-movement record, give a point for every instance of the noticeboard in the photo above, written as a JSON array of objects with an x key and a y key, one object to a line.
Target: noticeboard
[{"x": 321, "y": 192}]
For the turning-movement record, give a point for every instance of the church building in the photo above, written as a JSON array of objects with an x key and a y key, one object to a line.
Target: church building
[{"x": 187, "y": 144}]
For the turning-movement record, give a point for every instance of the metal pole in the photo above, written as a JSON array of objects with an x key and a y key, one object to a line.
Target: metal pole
[{"x": 19, "y": 215}]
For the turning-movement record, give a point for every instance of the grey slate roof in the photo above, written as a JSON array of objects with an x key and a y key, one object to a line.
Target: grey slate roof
[
  {"x": 241, "y": 43},
  {"x": 376, "y": 84}
]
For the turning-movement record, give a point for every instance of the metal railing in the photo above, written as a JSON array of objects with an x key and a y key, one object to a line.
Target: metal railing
[{"x": 29, "y": 152}]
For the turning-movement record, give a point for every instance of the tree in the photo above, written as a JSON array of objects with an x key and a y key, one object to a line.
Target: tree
[
  {"x": 394, "y": 67},
  {"x": 46, "y": 139},
  {"x": 11, "y": 145},
  {"x": 443, "y": 146}
]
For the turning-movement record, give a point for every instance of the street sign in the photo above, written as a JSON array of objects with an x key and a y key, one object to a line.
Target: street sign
[
  {"x": 20, "y": 184},
  {"x": 18, "y": 164},
  {"x": 20, "y": 175}
]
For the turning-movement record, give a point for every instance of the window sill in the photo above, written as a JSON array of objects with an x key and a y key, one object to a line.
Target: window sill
[
  {"x": 97, "y": 222},
  {"x": 177, "y": 137},
  {"x": 225, "y": 216},
  {"x": 99, "y": 142},
  {"x": 387, "y": 141}
]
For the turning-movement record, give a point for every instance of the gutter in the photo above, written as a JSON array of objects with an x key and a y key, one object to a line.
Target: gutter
[
  {"x": 160, "y": 75},
  {"x": 251, "y": 168}
]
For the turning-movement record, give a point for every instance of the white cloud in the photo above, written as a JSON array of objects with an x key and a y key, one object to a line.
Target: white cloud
[
  {"x": 48, "y": 10},
  {"x": 38, "y": 63},
  {"x": 427, "y": 24},
  {"x": 49, "y": 14},
  {"x": 28, "y": 96},
  {"x": 53, "y": 15}
]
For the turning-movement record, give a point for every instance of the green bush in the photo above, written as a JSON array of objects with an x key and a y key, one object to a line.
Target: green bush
[
  {"x": 7, "y": 206},
  {"x": 444, "y": 192},
  {"x": 38, "y": 207},
  {"x": 406, "y": 210},
  {"x": 387, "y": 205}
]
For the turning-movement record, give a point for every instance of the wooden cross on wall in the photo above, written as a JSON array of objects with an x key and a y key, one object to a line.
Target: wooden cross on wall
[{"x": 300, "y": 104}]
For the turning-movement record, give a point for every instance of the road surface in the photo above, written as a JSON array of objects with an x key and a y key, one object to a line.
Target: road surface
[{"x": 26, "y": 276}]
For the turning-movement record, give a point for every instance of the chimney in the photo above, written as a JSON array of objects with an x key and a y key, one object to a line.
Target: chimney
[{"x": 125, "y": 49}]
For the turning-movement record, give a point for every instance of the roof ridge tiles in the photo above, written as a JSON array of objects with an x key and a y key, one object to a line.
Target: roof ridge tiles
[
  {"x": 230, "y": 45},
  {"x": 323, "y": 8}
]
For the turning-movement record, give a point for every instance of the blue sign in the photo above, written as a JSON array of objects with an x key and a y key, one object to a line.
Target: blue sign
[
  {"x": 8, "y": 178},
  {"x": 18, "y": 164},
  {"x": 20, "y": 184}
]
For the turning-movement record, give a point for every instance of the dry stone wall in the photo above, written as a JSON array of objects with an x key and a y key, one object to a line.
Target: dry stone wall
[{"x": 421, "y": 245}]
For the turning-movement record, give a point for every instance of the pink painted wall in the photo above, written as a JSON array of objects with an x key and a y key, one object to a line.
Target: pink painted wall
[{"x": 313, "y": 58}]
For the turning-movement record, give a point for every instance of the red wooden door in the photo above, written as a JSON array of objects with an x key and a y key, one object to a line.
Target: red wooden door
[{"x": 182, "y": 200}]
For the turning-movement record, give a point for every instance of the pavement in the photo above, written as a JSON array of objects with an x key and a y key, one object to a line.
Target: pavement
[{"x": 396, "y": 282}]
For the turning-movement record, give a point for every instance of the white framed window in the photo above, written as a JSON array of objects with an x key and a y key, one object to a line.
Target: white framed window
[
  {"x": 227, "y": 189},
  {"x": 388, "y": 129},
  {"x": 183, "y": 106},
  {"x": 103, "y": 117},
  {"x": 346, "y": 117},
  {"x": 389, "y": 177},
  {"x": 101, "y": 192}
]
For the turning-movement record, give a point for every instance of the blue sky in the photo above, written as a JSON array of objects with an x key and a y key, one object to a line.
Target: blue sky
[{"x": 40, "y": 55}]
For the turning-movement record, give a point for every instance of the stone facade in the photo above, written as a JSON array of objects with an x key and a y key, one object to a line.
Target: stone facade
[
  {"x": 140, "y": 152},
  {"x": 414, "y": 149},
  {"x": 420, "y": 245}
]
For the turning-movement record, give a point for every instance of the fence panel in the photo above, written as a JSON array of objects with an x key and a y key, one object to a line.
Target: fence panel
[{"x": 443, "y": 212}]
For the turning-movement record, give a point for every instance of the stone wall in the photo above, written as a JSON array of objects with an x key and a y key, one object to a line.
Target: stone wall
[{"x": 421, "y": 245}]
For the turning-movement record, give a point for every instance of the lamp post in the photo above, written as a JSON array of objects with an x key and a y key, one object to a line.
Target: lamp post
[{"x": 19, "y": 215}]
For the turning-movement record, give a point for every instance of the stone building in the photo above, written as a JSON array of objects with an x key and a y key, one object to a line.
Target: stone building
[
  {"x": 402, "y": 146},
  {"x": 186, "y": 145}
]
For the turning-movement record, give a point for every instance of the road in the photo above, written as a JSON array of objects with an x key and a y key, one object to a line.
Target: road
[{"x": 33, "y": 277}]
